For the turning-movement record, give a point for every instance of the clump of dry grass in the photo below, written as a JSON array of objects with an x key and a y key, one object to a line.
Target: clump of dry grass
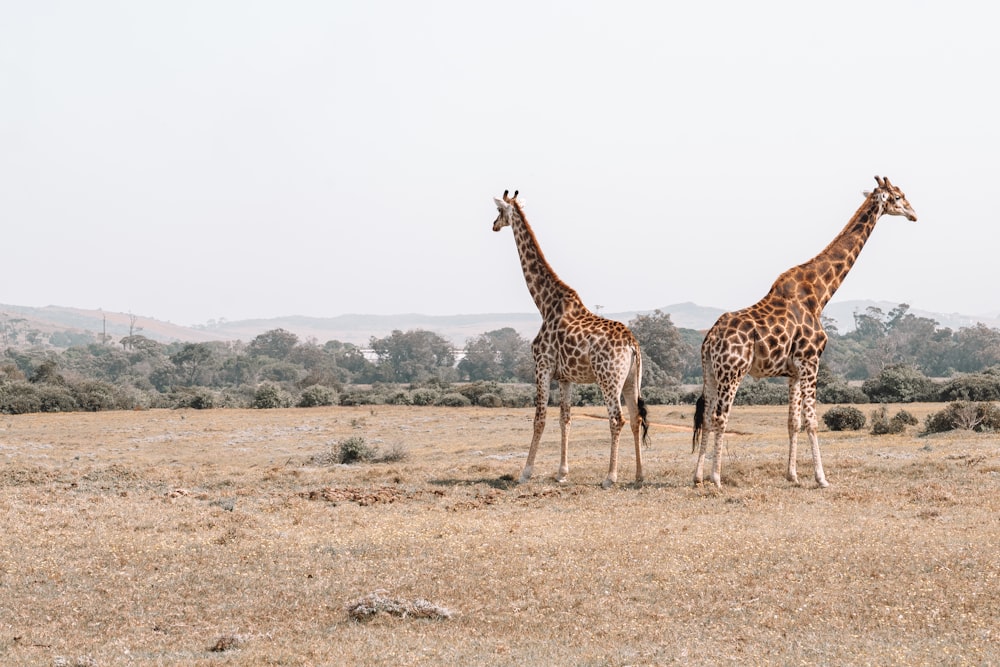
[
  {"x": 378, "y": 602},
  {"x": 229, "y": 642}
]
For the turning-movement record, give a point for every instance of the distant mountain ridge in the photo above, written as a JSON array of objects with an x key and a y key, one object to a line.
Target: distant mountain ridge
[{"x": 359, "y": 329}]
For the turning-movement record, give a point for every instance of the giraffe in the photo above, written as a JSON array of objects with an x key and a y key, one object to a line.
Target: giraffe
[
  {"x": 574, "y": 345},
  {"x": 782, "y": 336}
]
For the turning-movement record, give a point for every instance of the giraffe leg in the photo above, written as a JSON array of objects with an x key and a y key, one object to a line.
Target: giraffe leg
[
  {"x": 631, "y": 393},
  {"x": 617, "y": 422},
  {"x": 542, "y": 379},
  {"x": 720, "y": 419},
  {"x": 709, "y": 397},
  {"x": 809, "y": 407},
  {"x": 565, "y": 396},
  {"x": 794, "y": 425},
  {"x": 706, "y": 428}
]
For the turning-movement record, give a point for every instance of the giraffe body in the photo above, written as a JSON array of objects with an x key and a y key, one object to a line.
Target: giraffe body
[
  {"x": 782, "y": 336},
  {"x": 575, "y": 346}
]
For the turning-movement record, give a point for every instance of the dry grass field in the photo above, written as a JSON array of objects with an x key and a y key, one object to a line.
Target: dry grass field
[{"x": 228, "y": 537}]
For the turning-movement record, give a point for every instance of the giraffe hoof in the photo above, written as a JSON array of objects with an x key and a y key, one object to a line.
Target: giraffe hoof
[
  {"x": 608, "y": 483},
  {"x": 822, "y": 483}
]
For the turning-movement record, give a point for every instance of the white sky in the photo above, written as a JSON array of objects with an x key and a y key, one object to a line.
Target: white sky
[{"x": 196, "y": 160}]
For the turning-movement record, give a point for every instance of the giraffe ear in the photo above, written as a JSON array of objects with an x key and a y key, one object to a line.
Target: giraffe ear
[
  {"x": 866, "y": 193},
  {"x": 501, "y": 204}
]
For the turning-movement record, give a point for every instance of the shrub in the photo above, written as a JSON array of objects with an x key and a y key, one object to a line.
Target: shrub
[
  {"x": 400, "y": 398},
  {"x": 973, "y": 387},
  {"x": 453, "y": 400},
  {"x": 354, "y": 397},
  {"x": 270, "y": 396},
  {"x": 882, "y": 425},
  {"x": 518, "y": 396},
  {"x": 94, "y": 396},
  {"x": 425, "y": 396},
  {"x": 18, "y": 398},
  {"x": 474, "y": 390},
  {"x": 55, "y": 398},
  {"x": 195, "y": 398},
  {"x": 840, "y": 392},
  {"x": 355, "y": 449},
  {"x": 660, "y": 396},
  {"x": 315, "y": 396},
  {"x": 899, "y": 384},
  {"x": 844, "y": 418},
  {"x": 964, "y": 415},
  {"x": 588, "y": 394},
  {"x": 761, "y": 392},
  {"x": 490, "y": 401}
]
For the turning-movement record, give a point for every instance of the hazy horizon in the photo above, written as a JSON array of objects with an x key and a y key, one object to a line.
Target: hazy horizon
[{"x": 198, "y": 161}]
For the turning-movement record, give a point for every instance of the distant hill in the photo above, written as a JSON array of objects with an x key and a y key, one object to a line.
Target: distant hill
[{"x": 359, "y": 329}]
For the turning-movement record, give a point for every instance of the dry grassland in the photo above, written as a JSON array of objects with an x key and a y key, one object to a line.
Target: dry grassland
[{"x": 226, "y": 537}]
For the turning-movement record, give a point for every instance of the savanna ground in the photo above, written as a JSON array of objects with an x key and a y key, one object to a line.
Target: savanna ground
[{"x": 228, "y": 537}]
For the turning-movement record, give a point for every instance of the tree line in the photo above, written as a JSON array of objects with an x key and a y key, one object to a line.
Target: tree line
[{"x": 890, "y": 356}]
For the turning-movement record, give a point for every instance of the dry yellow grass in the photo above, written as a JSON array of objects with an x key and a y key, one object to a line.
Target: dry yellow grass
[{"x": 213, "y": 538}]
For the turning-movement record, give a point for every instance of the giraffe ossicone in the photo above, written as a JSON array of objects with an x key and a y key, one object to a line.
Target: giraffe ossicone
[
  {"x": 574, "y": 345},
  {"x": 782, "y": 336}
]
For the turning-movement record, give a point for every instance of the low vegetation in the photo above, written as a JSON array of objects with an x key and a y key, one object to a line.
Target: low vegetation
[{"x": 888, "y": 358}]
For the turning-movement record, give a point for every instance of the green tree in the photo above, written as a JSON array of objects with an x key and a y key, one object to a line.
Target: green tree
[
  {"x": 975, "y": 348},
  {"x": 350, "y": 359},
  {"x": 276, "y": 344},
  {"x": 500, "y": 355},
  {"x": 191, "y": 362},
  {"x": 664, "y": 350},
  {"x": 414, "y": 356}
]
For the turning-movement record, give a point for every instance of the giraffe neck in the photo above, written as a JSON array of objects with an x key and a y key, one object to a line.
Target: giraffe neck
[
  {"x": 832, "y": 265},
  {"x": 548, "y": 292}
]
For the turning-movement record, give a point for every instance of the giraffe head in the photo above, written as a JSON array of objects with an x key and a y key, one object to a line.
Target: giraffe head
[
  {"x": 891, "y": 199},
  {"x": 507, "y": 209}
]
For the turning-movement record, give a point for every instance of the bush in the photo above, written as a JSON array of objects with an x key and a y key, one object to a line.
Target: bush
[
  {"x": 453, "y": 400},
  {"x": 973, "y": 387},
  {"x": 474, "y": 390},
  {"x": 95, "y": 396},
  {"x": 270, "y": 396},
  {"x": 844, "y": 418},
  {"x": 519, "y": 397},
  {"x": 490, "y": 401},
  {"x": 882, "y": 425},
  {"x": 355, "y": 449},
  {"x": 840, "y": 392},
  {"x": 964, "y": 415},
  {"x": 400, "y": 398},
  {"x": 317, "y": 395},
  {"x": 18, "y": 398},
  {"x": 761, "y": 392},
  {"x": 55, "y": 398},
  {"x": 661, "y": 396},
  {"x": 899, "y": 384},
  {"x": 195, "y": 398},
  {"x": 425, "y": 396},
  {"x": 588, "y": 394}
]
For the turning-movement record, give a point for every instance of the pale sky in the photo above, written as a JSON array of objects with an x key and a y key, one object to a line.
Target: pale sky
[{"x": 197, "y": 160}]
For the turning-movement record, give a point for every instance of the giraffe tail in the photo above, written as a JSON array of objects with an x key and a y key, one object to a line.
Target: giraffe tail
[
  {"x": 643, "y": 412},
  {"x": 699, "y": 421},
  {"x": 644, "y": 420}
]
